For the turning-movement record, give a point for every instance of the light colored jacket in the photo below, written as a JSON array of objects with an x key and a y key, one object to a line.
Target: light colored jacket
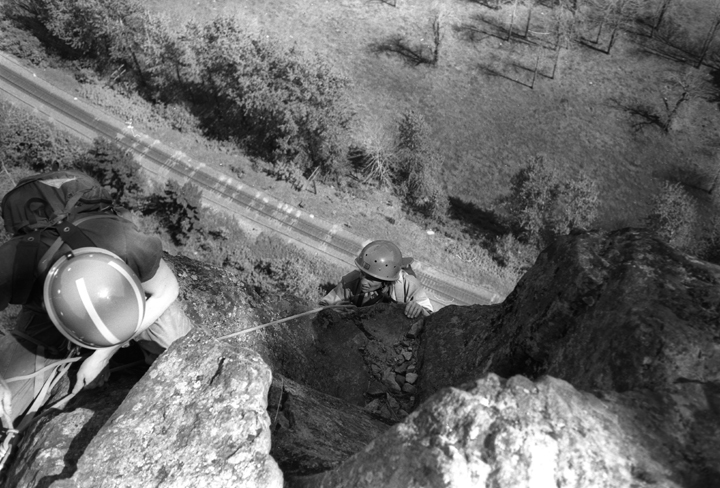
[{"x": 405, "y": 289}]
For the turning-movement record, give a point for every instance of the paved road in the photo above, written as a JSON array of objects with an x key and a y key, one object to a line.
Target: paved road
[{"x": 251, "y": 206}]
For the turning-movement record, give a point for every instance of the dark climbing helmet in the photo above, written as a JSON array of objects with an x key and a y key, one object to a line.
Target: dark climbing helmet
[
  {"x": 94, "y": 299},
  {"x": 382, "y": 260}
]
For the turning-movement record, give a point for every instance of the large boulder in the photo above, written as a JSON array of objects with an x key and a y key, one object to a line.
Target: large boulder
[
  {"x": 612, "y": 311},
  {"x": 508, "y": 434},
  {"x": 197, "y": 418},
  {"x": 313, "y": 432},
  {"x": 50, "y": 449},
  {"x": 620, "y": 314}
]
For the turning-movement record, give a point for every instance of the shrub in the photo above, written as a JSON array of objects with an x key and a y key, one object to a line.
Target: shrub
[
  {"x": 674, "y": 218},
  {"x": 21, "y": 44},
  {"x": 576, "y": 206},
  {"x": 374, "y": 151},
  {"x": 424, "y": 192},
  {"x": 116, "y": 169},
  {"x": 541, "y": 205},
  {"x": 288, "y": 276},
  {"x": 91, "y": 28},
  {"x": 220, "y": 241},
  {"x": 286, "y": 172},
  {"x": 501, "y": 276},
  {"x": 28, "y": 141},
  {"x": 417, "y": 168},
  {"x": 515, "y": 255},
  {"x": 277, "y": 102},
  {"x": 179, "y": 209}
]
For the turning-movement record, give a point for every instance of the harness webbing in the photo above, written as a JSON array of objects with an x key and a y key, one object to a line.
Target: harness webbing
[{"x": 12, "y": 434}]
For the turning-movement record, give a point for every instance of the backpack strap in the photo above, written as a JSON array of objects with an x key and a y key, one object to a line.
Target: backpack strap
[
  {"x": 57, "y": 215},
  {"x": 70, "y": 234},
  {"x": 29, "y": 265},
  {"x": 26, "y": 256},
  {"x": 73, "y": 237}
]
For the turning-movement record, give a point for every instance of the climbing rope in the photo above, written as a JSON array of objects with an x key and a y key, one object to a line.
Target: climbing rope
[{"x": 286, "y": 319}]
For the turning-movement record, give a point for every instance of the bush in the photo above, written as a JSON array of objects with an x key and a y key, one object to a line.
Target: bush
[
  {"x": 373, "y": 152},
  {"x": 576, "y": 206},
  {"x": 91, "y": 28},
  {"x": 116, "y": 170},
  {"x": 287, "y": 172},
  {"x": 417, "y": 168},
  {"x": 288, "y": 276},
  {"x": 675, "y": 219},
  {"x": 179, "y": 209},
  {"x": 27, "y": 141},
  {"x": 541, "y": 205},
  {"x": 278, "y": 103},
  {"x": 21, "y": 44},
  {"x": 515, "y": 255}
]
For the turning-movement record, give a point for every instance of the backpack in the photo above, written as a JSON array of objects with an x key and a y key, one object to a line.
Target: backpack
[
  {"x": 42, "y": 200},
  {"x": 49, "y": 204}
]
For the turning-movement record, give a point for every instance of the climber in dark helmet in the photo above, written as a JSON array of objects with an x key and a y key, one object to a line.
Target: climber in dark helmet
[
  {"x": 382, "y": 275},
  {"x": 88, "y": 282}
]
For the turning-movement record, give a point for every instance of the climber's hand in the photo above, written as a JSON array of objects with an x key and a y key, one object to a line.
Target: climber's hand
[
  {"x": 413, "y": 310},
  {"x": 94, "y": 371}
]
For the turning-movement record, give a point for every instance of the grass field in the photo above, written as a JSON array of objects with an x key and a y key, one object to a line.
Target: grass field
[{"x": 486, "y": 125}]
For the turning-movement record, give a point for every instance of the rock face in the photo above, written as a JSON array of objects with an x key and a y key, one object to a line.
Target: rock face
[
  {"x": 313, "y": 432},
  {"x": 505, "y": 434},
  {"x": 608, "y": 311},
  {"x": 50, "y": 449},
  {"x": 619, "y": 314},
  {"x": 197, "y": 418},
  {"x": 363, "y": 356}
]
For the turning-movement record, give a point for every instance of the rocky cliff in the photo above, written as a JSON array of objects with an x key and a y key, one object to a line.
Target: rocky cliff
[{"x": 600, "y": 369}]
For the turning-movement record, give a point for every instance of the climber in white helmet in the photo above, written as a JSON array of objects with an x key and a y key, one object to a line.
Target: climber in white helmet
[{"x": 88, "y": 282}]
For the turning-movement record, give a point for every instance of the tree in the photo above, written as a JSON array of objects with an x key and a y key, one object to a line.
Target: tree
[
  {"x": 27, "y": 141},
  {"x": 542, "y": 205},
  {"x": 115, "y": 169},
  {"x": 676, "y": 90},
  {"x": 179, "y": 209},
  {"x": 277, "y": 102},
  {"x": 417, "y": 167},
  {"x": 437, "y": 36},
  {"x": 674, "y": 218},
  {"x": 91, "y": 27}
]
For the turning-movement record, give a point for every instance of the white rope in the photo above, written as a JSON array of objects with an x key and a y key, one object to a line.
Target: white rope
[{"x": 275, "y": 322}]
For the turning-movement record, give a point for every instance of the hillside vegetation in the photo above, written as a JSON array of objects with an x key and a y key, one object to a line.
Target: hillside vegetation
[
  {"x": 485, "y": 121},
  {"x": 501, "y": 124}
]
